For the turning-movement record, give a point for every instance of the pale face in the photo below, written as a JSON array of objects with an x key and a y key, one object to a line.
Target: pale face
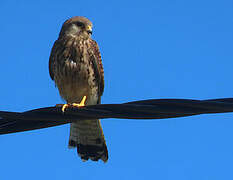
[{"x": 79, "y": 29}]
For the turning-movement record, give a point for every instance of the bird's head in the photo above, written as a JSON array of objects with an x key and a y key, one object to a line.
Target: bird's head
[{"x": 77, "y": 26}]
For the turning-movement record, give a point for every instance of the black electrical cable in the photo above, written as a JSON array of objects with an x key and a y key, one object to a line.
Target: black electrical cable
[{"x": 11, "y": 122}]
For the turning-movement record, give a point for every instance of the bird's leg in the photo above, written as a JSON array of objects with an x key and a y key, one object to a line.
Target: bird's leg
[
  {"x": 81, "y": 104},
  {"x": 64, "y": 107}
]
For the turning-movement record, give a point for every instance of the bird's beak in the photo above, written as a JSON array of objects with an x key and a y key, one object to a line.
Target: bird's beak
[{"x": 89, "y": 29}]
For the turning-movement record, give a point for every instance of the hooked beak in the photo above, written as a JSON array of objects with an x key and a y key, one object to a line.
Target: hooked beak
[{"x": 89, "y": 29}]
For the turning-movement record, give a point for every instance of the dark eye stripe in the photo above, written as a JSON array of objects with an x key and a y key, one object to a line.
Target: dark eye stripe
[{"x": 79, "y": 24}]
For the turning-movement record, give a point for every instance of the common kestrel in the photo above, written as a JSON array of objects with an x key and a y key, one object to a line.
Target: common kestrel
[{"x": 76, "y": 67}]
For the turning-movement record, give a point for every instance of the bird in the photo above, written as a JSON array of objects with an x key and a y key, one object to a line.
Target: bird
[{"x": 75, "y": 65}]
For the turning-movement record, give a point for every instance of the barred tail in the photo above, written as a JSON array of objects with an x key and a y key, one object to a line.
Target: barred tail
[{"x": 88, "y": 137}]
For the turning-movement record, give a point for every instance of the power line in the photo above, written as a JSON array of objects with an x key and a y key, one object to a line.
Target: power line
[{"x": 11, "y": 122}]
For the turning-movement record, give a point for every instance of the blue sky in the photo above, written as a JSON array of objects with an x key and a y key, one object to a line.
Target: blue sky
[{"x": 150, "y": 49}]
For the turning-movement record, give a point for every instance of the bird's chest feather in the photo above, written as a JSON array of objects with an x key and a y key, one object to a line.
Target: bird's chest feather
[{"x": 75, "y": 75}]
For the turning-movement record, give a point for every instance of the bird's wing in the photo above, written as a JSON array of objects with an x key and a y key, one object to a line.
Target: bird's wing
[
  {"x": 52, "y": 58},
  {"x": 98, "y": 66}
]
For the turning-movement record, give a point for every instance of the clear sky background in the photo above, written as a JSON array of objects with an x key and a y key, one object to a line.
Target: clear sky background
[{"x": 150, "y": 49}]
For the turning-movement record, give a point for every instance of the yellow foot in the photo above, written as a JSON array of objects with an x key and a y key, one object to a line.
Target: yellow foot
[
  {"x": 81, "y": 104},
  {"x": 64, "y": 107}
]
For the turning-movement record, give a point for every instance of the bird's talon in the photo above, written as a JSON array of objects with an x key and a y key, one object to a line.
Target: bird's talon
[
  {"x": 64, "y": 107},
  {"x": 81, "y": 104}
]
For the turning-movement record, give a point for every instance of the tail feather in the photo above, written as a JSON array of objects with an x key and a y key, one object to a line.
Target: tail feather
[
  {"x": 93, "y": 152},
  {"x": 88, "y": 137}
]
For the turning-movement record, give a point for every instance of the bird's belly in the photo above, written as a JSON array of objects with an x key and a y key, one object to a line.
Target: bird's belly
[
  {"x": 73, "y": 93},
  {"x": 73, "y": 86}
]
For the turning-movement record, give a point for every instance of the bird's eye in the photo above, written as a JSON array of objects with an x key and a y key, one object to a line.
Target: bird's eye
[{"x": 79, "y": 24}]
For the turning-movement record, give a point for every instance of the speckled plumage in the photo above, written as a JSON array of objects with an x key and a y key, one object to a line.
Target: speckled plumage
[{"x": 76, "y": 67}]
